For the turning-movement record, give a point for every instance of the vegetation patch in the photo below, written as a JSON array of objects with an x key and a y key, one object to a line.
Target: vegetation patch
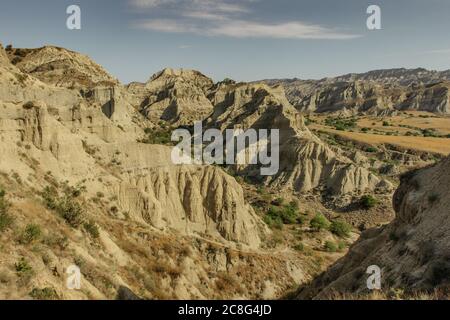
[
  {"x": 44, "y": 294},
  {"x": 6, "y": 219},
  {"x": 340, "y": 228},
  {"x": 368, "y": 202},
  {"x": 67, "y": 206},
  {"x": 319, "y": 222}
]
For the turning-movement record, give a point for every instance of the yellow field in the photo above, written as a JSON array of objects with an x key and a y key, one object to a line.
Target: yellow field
[{"x": 401, "y": 127}]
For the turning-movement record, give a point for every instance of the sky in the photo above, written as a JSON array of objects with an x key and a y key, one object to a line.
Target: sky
[{"x": 244, "y": 40}]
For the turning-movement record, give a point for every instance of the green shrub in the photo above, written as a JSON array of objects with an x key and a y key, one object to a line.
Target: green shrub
[
  {"x": 31, "y": 233},
  {"x": 371, "y": 149},
  {"x": 342, "y": 245},
  {"x": 341, "y": 124},
  {"x": 158, "y": 136},
  {"x": 282, "y": 214},
  {"x": 432, "y": 198},
  {"x": 386, "y": 124},
  {"x": 319, "y": 222},
  {"x": 44, "y": 294},
  {"x": 66, "y": 206},
  {"x": 23, "y": 268},
  {"x": 71, "y": 211},
  {"x": 331, "y": 246},
  {"x": 299, "y": 247},
  {"x": 6, "y": 219},
  {"x": 340, "y": 228},
  {"x": 92, "y": 228},
  {"x": 368, "y": 202},
  {"x": 273, "y": 219}
]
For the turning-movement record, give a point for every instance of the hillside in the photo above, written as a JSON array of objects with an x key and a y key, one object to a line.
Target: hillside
[{"x": 412, "y": 251}]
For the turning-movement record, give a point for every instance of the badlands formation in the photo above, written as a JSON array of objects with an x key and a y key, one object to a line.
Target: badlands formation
[
  {"x": 86, "y": 179},
  {"x": 377, "y": 92}
]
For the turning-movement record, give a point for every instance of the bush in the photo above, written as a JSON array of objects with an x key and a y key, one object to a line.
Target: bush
[
  {"x": 341, "y": 124},
  {"x": 432, "y": 198},
  {"x": 6, "y": 220},
  {"x": 371, "y": 149},
  {"x": 92, "y": 229},
  {"x": 71, "y": 211},
  {"x": 340, "y": 228},
  {"x": 331, "y": 246},
  {"x": 44, "y": 294},
  {"x": 386, "y": 124},
  {"x": 273, "y": 220},
  {"x": 67, "y": 207},
  {"x": 158, "y": 136},
  {"x": 368, "y": 202},
  {"x": 319, "y": 222},
  {"x": 342, "y": 245},
  {"x": 299, "y": 247},
  {"x": 23, "y": 268},
  {"x": 283, "y": 214},
  {"x": 31, "y": 233}
]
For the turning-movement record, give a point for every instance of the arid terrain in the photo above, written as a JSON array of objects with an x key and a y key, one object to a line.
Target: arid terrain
[{"x": 87, "y": 179}]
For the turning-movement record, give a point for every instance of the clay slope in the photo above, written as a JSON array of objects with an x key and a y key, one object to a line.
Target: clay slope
[
  {"x": 60, "y": 67},
  {"x": 306, "y": 163},
  {"x": 413, "y": 251},
  {"x": 175, "y": 96}
]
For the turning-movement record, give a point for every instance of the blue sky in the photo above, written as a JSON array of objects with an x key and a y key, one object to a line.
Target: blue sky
[{"x": 244, "y": 40}]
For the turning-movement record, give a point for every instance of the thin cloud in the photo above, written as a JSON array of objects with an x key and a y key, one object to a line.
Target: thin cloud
[
  {"x": 228, "y": 18},
  {"x": 244, "y": 29}
]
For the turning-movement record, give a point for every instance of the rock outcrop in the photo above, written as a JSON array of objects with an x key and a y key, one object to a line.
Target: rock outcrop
[
  {"x": 413, "y": 251},
  {"x": 175, "y": 96},
  {"x": 61, "y": 67}
]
